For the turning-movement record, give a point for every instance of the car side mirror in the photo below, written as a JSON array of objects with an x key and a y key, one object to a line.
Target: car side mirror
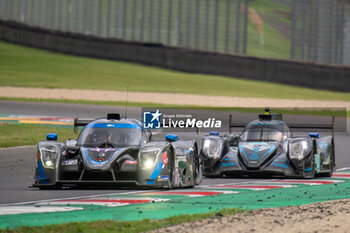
[{"x": 71, "y": 144}]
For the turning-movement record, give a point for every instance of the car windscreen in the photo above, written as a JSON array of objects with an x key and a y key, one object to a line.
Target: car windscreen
[
  {"x": 117, "y": 136},
  {"x": 264, "y": 132}
]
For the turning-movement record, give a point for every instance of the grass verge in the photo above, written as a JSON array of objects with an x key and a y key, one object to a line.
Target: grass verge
[
  {"x": 121, "y": 227},
  {"x": 27, "y": 67},
  {"x": 22, "y": 135}
]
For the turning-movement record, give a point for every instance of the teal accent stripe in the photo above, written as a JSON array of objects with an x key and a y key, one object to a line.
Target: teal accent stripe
[
  {"x": 43, "y": 178},
  {"x": 155, "y": 173}
]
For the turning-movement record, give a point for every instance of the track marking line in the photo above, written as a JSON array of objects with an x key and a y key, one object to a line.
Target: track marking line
[
  {"x": 187, "y": 193},
  {"x": 307, "y": 182},
  {"x": 254, "y": 187},
  {"x": 341, "y": 175},
  {"x": 104, "y": 201},
  {"x": 68, "y": 198},
  {"x": 343, "y": 169},
  {"x": 11, "y": 210}
]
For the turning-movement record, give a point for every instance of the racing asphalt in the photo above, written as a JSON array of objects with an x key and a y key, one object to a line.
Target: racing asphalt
[{"x": 17, "y": 164}]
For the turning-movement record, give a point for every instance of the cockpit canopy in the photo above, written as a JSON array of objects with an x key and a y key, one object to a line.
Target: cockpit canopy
[
  {"x": 118, "y": 134},
  {"x": 274, "y": 130}
]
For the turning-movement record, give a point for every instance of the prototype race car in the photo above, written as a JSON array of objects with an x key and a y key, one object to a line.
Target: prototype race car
[
  {"x": 116, "y": 151},
  {"x": 266, "y": 147}
]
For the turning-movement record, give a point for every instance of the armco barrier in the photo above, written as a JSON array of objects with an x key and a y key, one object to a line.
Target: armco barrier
[{"x": 330, "y": 77}]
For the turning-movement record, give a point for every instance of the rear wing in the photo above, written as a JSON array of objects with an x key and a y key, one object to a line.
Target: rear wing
[
  {"x": 81, "y": 122},
  {"x": 291, "y": 126}
]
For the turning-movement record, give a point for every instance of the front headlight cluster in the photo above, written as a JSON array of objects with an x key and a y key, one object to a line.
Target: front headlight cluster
[
  {"x": 148, "y": 158},
  {"x": 300, "y": 148},
  {"x": 212, "y": 147},
  {"x": 49, "y": 155}
]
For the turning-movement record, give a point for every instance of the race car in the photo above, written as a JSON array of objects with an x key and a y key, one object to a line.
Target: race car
[
  {"x": 116, "y": 151},
  {"x": 266, "y": 147}
]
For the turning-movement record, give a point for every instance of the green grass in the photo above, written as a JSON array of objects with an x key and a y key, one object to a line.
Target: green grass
[
  {"x": 121, "y": 227},
  {"x": 270, "y": 8},
  {"x": 275, "y": 45},
  {"x": 21, "y": 135},
  {"x": 26, "y": 67}
]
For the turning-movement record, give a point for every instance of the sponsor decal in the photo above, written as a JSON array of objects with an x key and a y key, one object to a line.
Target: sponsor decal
[
  {"x": 283, "y": 165},
  {"x": 156, "y": 120},
  {"x": 70, "y": 162},
  {"x": 227, "y": 164},
  {"x": 165, "y": 158},
  {"x": 152, "y": 119},
  {"x": 163, "y": 178}
]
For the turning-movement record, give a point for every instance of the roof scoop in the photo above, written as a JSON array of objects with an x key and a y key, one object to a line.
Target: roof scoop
[{"x": 113, "y": 116}]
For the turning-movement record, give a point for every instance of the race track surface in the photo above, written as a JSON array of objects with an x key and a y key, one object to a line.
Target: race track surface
[{"x": 17, "y": 164}]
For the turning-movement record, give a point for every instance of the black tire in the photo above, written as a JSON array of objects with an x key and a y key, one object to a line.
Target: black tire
[
  {"x": 51, "y": 187},
  {"x": 331, "y": 168},
  {"x": 198, "y": 172},
  {"x": 313, "y": 173},
  {"x": 171, "y": 173}
]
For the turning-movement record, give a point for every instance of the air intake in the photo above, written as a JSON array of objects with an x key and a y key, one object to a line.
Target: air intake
[{"x": 113, "y": 116}]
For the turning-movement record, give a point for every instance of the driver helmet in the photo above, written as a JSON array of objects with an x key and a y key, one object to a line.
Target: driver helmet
[{"x": 100, "y": 135}]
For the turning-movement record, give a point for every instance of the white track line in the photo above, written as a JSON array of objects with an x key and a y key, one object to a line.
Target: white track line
[
  {"x": 99, "y": 195},
  {"x": 343, "y": 169},
  {"x": 16, "y": 147},
  {"x": 68, "y": 198},
  {"x": 133, "y": 192}
]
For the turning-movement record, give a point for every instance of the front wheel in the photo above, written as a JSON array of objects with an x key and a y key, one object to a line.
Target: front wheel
[
  {"x": 331, "y": 168},
  {"x": 198, "y": 171},
  {"x": 310, "y": 174},
  {"x": 51, "y": 187}
]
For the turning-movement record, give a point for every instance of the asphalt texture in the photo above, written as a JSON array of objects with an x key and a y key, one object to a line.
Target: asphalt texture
[{"x": 17, "y": 164}]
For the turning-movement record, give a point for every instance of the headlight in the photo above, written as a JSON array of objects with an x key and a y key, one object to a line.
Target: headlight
[
  {"x": 299, "y": 149},
  {"x": 148, "y": 158},
  {"x": 212, "y": 147},
  {"x": 49, "y": 156}
]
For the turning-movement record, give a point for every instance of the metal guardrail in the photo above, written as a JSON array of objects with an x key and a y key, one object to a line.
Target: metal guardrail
[{"x": 198, "y": 24}]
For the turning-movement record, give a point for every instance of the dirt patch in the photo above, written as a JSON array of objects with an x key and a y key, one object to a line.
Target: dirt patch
[
  {"x": 165, "y": 98},
  {"x": 281, "y": 27},
  {"x": 285, "y": 14},
  {"x": 331, "y": 216}
]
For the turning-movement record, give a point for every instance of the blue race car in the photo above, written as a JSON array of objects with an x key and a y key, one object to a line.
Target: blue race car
[
  {"x": 266, "y": 146},
  {"x": 114, "y": 151}
]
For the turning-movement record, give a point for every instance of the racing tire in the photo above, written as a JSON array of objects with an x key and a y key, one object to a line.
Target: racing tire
[
  {"x": 198, "y": 171},
  {"x": 51, "y": 187},
  {"x": 171, "y": 174},
  {"x": 313, "y": 173},
  {"x": 331, "y": 168}
]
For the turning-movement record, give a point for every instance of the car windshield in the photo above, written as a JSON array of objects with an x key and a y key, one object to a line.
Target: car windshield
[
  {"x": 119, "y": 137},
  {"x": 264, "y": 132}
]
